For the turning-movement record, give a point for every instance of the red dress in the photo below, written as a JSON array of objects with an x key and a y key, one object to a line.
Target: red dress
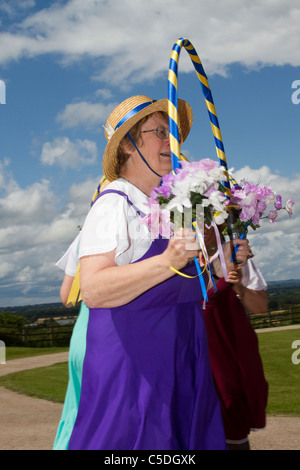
[{"x": 236, "y": 363}]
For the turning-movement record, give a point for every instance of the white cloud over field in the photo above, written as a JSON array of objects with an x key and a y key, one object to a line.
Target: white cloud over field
[{"x": 34, "y": 232}]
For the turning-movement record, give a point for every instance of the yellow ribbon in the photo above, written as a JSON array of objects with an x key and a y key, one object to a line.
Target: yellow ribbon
[
  {"x": 186, "y": 275},
  {"x": 75, "y": 295}
]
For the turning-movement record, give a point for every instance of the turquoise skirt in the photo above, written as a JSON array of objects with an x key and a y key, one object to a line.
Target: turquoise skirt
[{"x": 76, "y": 357}]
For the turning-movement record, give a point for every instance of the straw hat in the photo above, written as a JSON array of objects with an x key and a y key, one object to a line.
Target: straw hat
[{"x": 126, "y": 115}]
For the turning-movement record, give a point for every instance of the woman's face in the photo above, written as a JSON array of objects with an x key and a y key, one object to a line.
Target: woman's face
[{"x": 156, "y": 151}]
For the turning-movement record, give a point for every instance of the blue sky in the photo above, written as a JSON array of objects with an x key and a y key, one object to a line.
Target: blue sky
[{"x": 65, "y": 66}]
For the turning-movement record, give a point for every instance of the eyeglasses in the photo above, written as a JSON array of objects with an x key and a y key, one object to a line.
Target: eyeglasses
[{"x": 161, "y": 132}]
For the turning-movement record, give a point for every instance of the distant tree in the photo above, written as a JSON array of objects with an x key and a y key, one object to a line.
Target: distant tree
[
  {"x": 273, "y": 304},
  {"x": 10, "y": 320}
]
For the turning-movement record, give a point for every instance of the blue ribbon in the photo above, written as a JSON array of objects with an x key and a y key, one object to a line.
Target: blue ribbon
[
  {"x": 133, "y": 112},
  {"x": 144, "y": 160},
  {"x": 243, "y": 235},
  {"x": 202, "y": 283}
]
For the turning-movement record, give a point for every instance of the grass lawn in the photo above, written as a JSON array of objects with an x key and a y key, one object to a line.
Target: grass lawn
[
  {"x": 49, "y": 383},
  {"x": 282, "y": 375},
  {"x": 275, "y": 348}
]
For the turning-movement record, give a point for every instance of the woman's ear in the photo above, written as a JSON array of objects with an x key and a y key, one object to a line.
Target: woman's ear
[{"x": 127, "y": 147}]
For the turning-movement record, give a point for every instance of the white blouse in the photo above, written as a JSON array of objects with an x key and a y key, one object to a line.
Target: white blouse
[
  {"x": 69, "y": 261},
  {"x": 252, "y": 277}
]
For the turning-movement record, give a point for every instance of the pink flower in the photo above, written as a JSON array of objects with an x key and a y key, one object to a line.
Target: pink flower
[
  {"x": 289, "y": 207},
  {"x": 278, "y": 203},
  {"x": 158, "y": 222},
  {"x": 261, "y": 207},
  {"x": 206, "y": 164},
  {"x": 272, "y": 216}
]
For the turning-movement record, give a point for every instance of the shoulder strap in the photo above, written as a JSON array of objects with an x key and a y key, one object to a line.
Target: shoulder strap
[{"x": 121, "y": 193}]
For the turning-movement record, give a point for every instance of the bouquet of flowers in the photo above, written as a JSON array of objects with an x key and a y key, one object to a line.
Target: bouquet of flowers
[{"x": 197, "y": 188}]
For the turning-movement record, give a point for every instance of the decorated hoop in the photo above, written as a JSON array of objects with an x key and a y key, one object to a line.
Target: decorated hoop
[{"x": 172, "y": 107}]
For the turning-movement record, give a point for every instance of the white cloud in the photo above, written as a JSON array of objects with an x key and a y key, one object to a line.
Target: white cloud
[
  {"x": 67, "y": 154},
  {"x": 20, "y": 206},
  {"x": 135, "y": 37},
  {"x": 34, "y": 233},
  {"x": 276, "y": 246},
  {"x": 85, "y": 114},
  {"x": 15, "y": 7}
]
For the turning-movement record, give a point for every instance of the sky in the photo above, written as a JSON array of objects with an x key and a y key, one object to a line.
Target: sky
[{"x": 65, "y": 65}]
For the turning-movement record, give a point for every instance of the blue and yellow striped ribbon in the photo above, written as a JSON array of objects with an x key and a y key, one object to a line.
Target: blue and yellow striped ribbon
[{"x": 172, "y": 107}]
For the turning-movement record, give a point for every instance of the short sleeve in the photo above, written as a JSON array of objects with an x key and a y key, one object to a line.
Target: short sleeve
[
  {"x": 105, "y": 228},
  {"x": 252, "y": 277},
  {"x": 69, "y": 261}
]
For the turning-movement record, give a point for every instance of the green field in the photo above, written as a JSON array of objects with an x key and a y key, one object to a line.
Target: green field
[
  {"x": 276, "y": 351},
  {"x": 282, "y": 375}
]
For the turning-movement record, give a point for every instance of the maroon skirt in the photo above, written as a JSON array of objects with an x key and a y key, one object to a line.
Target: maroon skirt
[{"x": 236, "y": 363}]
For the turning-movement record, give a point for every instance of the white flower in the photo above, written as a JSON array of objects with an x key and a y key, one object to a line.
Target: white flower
[
  {"x": 220, "y": 217},
  {"x": 179, "y": 202},
  {"x": 109, "y": 130}
]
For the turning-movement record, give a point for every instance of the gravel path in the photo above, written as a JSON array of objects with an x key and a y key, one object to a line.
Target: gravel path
[{"x": 28, "y": 423}]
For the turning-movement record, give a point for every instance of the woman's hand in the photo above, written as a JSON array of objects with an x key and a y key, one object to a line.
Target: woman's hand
[
  {"x": 241, "y": 256},
  {"x": 235, "y": 276},
  {"x": 183, "y": 247},
  {"x": 235, "y": 279},
  {"x": 256, "y": 301}
]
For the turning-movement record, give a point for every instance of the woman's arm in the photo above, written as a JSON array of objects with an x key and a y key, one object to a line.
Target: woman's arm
[
  {"x": 103, "y": 284},
  {"x": 256, "y": 301},
  {"x": 240, "y": 257},
  {"x": 65, "y": 288}
]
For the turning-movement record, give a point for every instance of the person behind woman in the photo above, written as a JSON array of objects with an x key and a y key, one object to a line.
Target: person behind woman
[
  {"x": 68, "y": 263},
  {"x": 146, "y": 381},
  {"x": 234, "y": 353}
]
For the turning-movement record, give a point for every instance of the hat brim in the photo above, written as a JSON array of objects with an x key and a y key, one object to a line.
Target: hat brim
[{"x": 185, "y": 120}]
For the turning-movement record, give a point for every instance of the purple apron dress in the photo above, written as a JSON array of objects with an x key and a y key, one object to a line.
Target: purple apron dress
[{"x": 147, "y": 382}]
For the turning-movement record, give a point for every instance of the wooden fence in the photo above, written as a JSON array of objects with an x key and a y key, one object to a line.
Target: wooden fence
[
  {"x": 273, "y": 318},
  {"x": 54, "y": 334},
  {"x": 48, "y": 335}
]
